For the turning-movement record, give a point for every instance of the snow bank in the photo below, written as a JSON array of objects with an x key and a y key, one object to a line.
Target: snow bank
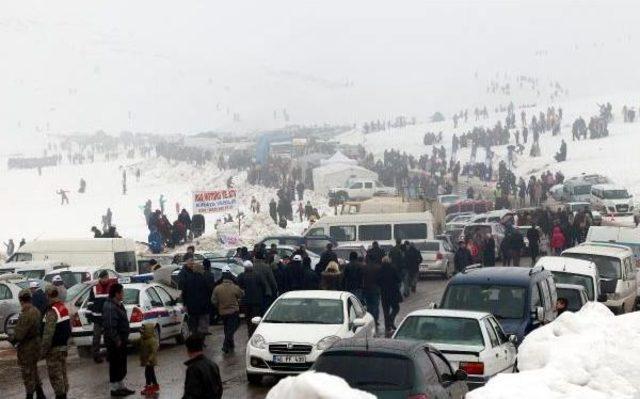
[
  {"x": 591, "y": 354},
  {"x": 315, "y": 386}
]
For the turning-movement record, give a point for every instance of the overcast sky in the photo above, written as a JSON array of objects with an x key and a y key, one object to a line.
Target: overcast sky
[{"x": 177, "y": 67}]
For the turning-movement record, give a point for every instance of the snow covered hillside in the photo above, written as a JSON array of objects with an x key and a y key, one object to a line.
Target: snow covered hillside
[
  {"x": 615, "y": 156},
  {"x": 589, "y": 354},
  {"x": 31, "y": 207}
]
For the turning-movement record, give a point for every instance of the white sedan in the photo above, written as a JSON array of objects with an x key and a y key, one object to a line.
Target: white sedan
[
  {"x": 471, "y": 341},
  {"x": 299, "y": 326},
  {"x": 151, "y": 303}
]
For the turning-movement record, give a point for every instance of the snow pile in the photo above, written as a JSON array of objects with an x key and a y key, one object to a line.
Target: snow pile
[
  {"x": 591, "y": 354},
  {"x": 315, "y": 386}
]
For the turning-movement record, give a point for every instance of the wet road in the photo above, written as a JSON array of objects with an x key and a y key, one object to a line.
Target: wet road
[{"x": 89, "y": 380}]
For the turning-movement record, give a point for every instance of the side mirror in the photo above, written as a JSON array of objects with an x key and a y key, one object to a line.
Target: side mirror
[
  {"x": 460, "y": 375},
  {"x": 602, "y": 298},
  {"x": 513, "y": 339},
  {"x": 256, "y": 320},
  {"x": 357, "y": 323},
  {"x": 540, "y": 314}
]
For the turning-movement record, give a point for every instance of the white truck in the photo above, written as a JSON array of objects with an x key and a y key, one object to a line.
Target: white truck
[{"x": 359, "y": 189}]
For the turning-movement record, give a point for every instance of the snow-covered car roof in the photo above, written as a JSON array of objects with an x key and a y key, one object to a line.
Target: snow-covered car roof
[
  {"x": 600, "y": 249},
  {"x": 460, "y": 314},
  {"x": 567, "y": 264}
]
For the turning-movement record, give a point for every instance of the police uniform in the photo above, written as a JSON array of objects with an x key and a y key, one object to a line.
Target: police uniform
[
  {"x": 27, "y": 339},
  {"x": 57, "y": 331}
]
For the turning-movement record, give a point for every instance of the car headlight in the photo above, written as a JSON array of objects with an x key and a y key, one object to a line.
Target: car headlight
[
  {"x": 326, "y": 342},
  {"x": 258, "y": 342}
]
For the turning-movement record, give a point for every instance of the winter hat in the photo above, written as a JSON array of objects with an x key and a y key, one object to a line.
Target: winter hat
[{"x": 297, "y": 258}]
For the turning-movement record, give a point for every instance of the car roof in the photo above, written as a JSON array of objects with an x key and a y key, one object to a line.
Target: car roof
[
  {"x": 600, "y": 249},
  {"x": 318, "y": 294},
  {"x": 394, "y": 346},
  {"x": 561, "y": 263},
  {"x": 570, "y": 287},
  {"x": 460, "y": 314},
  {"x": 79, "y": 269},
  {"x": 504, "y": 275}
]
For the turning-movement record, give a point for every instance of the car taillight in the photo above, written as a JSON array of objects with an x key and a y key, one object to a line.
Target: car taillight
[
  {"x": 136, "y": 316},
  {"x": 418, "y": 396},
  {"x": 75, "y": 321},
  {"x": 439, "y": 256},
  {"x": 476, "y": 368}
]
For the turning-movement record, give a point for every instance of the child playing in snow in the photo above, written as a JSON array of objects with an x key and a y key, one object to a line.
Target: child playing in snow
[{"x": 149, "y": 358}]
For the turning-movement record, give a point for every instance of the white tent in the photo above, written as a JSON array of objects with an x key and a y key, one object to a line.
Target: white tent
[
  {"x": 336, "y": 175},
  {"x": 338, "y": 158}
]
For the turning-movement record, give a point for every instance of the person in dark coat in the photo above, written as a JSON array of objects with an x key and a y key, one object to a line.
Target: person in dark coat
[
  {"x": 533, "y": 236},
  {"x": 296, "y": 273},
  {"x": 310, "y": 280},
  {"x": 353, "y": 276},
  {"x": 389, "y": 283},
  {"x": 413, "y": 259},
  {"x": 327, "y": 256},
  {"x": 516, "y": 244},
  {"x": 116, "y": 334},
  {"x": 331, "y": 278},
  {"x": 273, "y": 210},
  {"x": 462, "y": 257},
  {"x": 281, "y": 275},
  {"x": 254, "y": 287},
  {"x": 38, "y": 298},
  {"x": 399, "y": 262},
  {"x": 489, "y": 251},
  {"x": 211, "y": 284},
  {"x": 195, "y": 295},
  {"x": 261, "y": 267},
  {"x": 202, "y": 380},
  {"x": 505, "y": 250}
]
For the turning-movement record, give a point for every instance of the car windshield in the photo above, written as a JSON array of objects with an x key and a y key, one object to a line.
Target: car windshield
[
  {"x": 306, "y": 311},
  {"x": 576, "y": 279},
  {"x": 608, "y": 267},
  {"x": 574, "y": 301},
  {"x": 461, "y": 218},
  {"x": 441, "y": 330},
  {"x": 580, "y": 207},
  {"x": 75, "y": 291},
  {"x": 582, "y": 190},
  {"x": 368, "y": 371},
  {"x": 504, "y": 302},
  {"x": 131, "y": 296},
  {"x": 615, "y": 194}
]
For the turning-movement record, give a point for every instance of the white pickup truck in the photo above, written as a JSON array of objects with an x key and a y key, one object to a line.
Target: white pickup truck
[{"x": 358, "y": 189}]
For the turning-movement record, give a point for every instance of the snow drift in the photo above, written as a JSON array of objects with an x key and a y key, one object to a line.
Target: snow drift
[
  {"x": 591, "y": 354},
  {"x": 315, "y": 386}
]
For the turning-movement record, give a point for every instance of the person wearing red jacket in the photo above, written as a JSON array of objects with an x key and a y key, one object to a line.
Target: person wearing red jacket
[{"x": 557, "y": 240}]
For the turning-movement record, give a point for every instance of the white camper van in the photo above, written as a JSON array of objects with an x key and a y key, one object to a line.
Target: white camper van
[{"x": 113, "y": 253}]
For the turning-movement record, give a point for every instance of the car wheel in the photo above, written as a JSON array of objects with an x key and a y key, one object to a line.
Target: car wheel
[
  {"x": 254, "y": 379},
  {"x": 183, "y": 333},
  {"x": 85, "y": 352}
]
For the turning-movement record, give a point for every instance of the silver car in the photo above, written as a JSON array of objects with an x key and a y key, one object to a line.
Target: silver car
[
  {"x": 10, "y": 287},
  {"x": 437, "y": 258}
]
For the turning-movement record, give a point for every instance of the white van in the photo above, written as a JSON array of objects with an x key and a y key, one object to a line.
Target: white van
[
  {"x": 617, "y": 272},
  {"x": 626, "y": 236},
  {"x": 581, "y": 272},
  {"x": 114, "y": 253},
  {"x": 364, "y": 228},
  {"x": 612, "y": 200}
]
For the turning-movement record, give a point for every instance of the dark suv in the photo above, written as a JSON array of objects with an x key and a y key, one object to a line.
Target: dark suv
[
  {"x": 521, "y": 298},
  {"x": 393, "y": 369}
]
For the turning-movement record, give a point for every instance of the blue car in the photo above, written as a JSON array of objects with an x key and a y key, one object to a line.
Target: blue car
[{"x": 520, "y": 298}]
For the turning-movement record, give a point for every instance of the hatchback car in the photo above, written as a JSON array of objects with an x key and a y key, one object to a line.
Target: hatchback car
[
  {"x": 471, "y": 341},
  {"x": 298, "y": 326},
  {"x": 393, "y": 369},
  {"x": 437, "y": 258},
  {"x": 151, "y": 303}
]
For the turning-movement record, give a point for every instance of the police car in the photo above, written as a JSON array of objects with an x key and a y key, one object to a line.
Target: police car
[{"x": 144, "y": 302}]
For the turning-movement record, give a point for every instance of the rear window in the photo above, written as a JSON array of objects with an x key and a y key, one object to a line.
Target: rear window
[
  {"x": 410, "y": 231},
  {"x": 575, "y": 279},
  {"x": 368, "y": 370},
  {"x": 429, "y": 246},
  {"x": 375, "y": 232},
  {"x": 443, "y": 330}
]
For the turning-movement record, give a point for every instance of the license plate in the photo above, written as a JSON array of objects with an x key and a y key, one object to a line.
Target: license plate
[{"x": 288, "y": 359}]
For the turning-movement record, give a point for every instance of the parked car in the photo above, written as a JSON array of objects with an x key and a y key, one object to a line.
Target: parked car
[
  {"x": 612, "y": 200},
  {"x": 10, "y": 286},
  {"x": 581, "y": 272},
  {"x": 437, "y": 258},
  {"x": 315, "y": 243},
  {"x": 575, "y": 295},
  {"x": 459, "y": 221},
  {"x": 72, "y": 275},
  {"x": 446, "y": 237},
  {"x": 520, "y": 298},
  {"x": 451, "y": 216},
  {"x": 299, "y": 326},
  {"x": 617, "y": 271},
  {"x": 393, "y": 369},
  {"x": 148, "y": 302},
  {"x": 359, "y": 189},
  {"x": 471, "y": 341}
]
